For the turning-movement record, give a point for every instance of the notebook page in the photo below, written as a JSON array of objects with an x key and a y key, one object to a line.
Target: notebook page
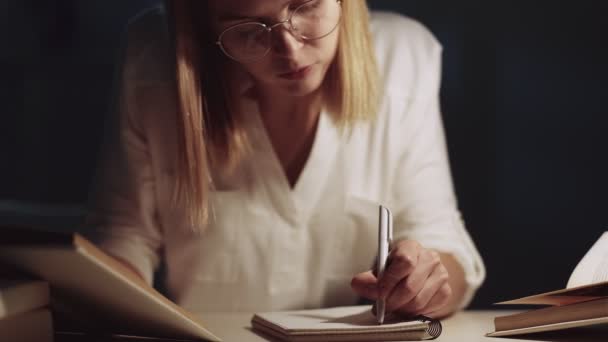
[
  {"x": 593, "y": 268},
  {"x": 352, "y": 318}
]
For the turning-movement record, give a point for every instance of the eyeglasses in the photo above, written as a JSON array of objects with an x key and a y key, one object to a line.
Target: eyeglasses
[{"x": 314, "y": 19}]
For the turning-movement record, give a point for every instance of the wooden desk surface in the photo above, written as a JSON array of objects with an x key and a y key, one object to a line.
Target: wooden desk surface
[{"x": 466, "y": 326}]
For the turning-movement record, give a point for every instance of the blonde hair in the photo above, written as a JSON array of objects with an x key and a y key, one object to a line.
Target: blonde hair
[{"x": 210, "y": 133}]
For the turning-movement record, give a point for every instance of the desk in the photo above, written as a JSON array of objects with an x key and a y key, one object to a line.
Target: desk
[{"x": 466, "y": 326}]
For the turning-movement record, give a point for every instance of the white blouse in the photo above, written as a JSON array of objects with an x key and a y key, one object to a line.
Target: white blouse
[{"x": 269, "y": 246}]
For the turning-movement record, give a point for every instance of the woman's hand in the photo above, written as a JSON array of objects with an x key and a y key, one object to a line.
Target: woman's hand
[{"x": 415, "y": 281}]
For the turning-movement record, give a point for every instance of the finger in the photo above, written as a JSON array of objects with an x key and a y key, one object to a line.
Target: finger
[
  {"x": 401, "y": 262},
  {"x": 421, "y": 302},
  {"x": 365, "y": 285},
  {"x": 439, "y": 300},
  {"x": 411, "y": 286}
]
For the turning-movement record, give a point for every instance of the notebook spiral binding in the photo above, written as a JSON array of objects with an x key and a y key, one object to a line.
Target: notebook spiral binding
[{"x": 435, "y": 327}]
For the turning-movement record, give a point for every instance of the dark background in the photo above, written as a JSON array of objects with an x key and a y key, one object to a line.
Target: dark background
[{"x": 524, "y": 102}]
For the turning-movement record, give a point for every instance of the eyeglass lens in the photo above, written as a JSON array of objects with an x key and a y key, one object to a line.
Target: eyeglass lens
[{"x": 314, "y": 19}]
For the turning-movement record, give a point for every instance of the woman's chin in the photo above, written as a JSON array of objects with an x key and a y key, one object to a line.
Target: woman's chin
[{"x": 300, "y": 90}]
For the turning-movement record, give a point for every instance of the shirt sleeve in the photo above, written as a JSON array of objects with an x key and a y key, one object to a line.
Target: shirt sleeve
[
  {"x": 425, "y": 207},
  {"x": 122, "y": 209}
]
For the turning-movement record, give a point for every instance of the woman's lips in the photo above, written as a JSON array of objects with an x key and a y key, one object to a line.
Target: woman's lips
[{"x": 297, "y": 74}]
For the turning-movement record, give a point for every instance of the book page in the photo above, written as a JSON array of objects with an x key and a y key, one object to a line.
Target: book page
[
  {"x": 565, "y": 296},
  {"x": 593, "y": 267}
]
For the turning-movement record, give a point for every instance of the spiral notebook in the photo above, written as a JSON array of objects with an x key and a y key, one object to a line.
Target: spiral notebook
[{"x": 350, "y": 323}]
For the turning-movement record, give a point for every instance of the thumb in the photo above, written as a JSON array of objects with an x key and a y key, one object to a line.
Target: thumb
[{"x": 365, "y": 285}]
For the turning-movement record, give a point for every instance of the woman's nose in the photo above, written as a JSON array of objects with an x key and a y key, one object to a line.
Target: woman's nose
[{"x": 285, "y": 41}]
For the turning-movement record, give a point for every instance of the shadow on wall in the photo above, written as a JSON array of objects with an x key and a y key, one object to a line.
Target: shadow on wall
[{"x": 522, "y": 97}]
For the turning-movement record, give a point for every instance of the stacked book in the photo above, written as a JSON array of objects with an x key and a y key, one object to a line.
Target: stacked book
[
  {"x": 24, "y": 310},
  {"x": 92, "y": 293},
  {"x": 583, "y": 303}
]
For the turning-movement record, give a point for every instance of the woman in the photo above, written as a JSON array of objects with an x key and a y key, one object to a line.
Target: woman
[{"x": 256, "y": 140}]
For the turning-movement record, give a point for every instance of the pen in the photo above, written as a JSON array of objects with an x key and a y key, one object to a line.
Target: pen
[{"x": 385, "y": 236}]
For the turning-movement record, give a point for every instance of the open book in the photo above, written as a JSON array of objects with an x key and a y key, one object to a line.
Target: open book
[
  {"x": 95, "y": 288},
  {"x": 350, "y": 323},
  {"x": 583, "y": 302}
]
